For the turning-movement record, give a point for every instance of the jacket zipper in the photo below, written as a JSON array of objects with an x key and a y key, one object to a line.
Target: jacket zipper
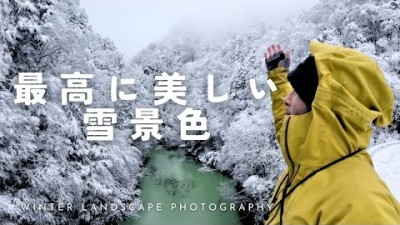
[
  {"x": 287, "y": 149},
  {"x": 288, "y": 181}
]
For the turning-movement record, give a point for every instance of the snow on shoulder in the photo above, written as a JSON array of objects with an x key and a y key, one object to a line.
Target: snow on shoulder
[{"x": 386, "y": 158}]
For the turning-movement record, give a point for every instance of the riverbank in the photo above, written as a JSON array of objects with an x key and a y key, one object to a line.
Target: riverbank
[{"x": 247, "y": 217}]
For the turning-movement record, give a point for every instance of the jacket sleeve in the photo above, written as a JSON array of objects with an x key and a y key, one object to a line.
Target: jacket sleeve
[{"x": 279, "y": 77}]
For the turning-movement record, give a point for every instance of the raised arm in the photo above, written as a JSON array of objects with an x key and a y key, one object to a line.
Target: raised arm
[{"x": 277, "y": 71}]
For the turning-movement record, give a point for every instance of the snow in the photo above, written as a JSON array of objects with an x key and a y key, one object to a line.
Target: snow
[
  {"x": 255, "y": 185},
  {"x": 28, "y": 6},
  {"x": 386, "y": 159}
]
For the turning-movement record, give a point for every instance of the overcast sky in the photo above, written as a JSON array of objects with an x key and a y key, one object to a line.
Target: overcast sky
[{"x": 133, "y": 24}]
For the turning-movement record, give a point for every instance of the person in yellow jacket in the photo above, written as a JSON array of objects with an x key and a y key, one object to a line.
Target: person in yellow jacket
[{"x": 323, "y": 112}]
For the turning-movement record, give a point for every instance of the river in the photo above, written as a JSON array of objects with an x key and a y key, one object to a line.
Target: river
[{"x": 182, "y": 195}]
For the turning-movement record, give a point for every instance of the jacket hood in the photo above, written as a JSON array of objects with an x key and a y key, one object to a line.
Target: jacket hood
[{"x": 352, "y": 94}]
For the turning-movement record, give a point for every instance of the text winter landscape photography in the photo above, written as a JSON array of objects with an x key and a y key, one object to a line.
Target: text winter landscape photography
[{"x": 189, "y": 112}]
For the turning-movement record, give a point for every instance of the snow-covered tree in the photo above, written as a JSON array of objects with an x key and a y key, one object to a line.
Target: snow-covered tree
[{"x": 45, "y": 157}]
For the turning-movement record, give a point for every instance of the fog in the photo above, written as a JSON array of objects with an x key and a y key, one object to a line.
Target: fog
[{"x": 134, "y": 24}]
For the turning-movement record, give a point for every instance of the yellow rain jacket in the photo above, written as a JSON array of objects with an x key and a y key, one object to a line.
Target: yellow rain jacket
[{"x": 352, "y": 93}]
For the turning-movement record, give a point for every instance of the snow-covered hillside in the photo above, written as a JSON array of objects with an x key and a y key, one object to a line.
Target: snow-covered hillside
[
  {"x": 44, "y": 154},
  {"x": 386, "y": 158},
  {"x": 45, "y": 157},
  {"x": 242, "y": 139}
]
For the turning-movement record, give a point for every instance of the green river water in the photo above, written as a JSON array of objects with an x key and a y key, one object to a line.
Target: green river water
[{"x": 173, "y": 181}]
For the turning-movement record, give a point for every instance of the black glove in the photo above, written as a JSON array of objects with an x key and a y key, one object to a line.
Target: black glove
[{"x": 278, "y": 59}]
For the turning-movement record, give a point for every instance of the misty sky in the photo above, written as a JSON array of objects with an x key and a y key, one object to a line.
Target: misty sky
[{"x": 133, "y": 24}]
